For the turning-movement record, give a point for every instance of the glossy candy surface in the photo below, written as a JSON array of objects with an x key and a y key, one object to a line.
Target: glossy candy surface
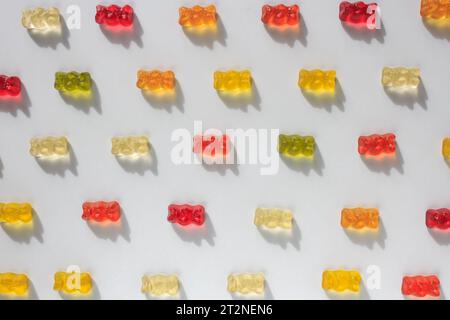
[
  {"x": 341, "y": 280},
  {"x": 130, "y": 146},
  {"x": 73, "y": 282},
  {"x": 233, "y": 81},
  {"x": 101, "y": 211},
  {"x": 357, "y": 13},
  {"x": 186, "y": 214},
  {"x": 438, "y": 218},
  {"x": 246, "y": 283},
  {"x": 156, "y": 81},
  {"x": 10, "y": 86},
  {"x": 13, "y": 284},
  {"x": 114, "y": 15},
  {"x": 360, "y": 218},
  {"x": 273, "y": 218},
  {"x": 16, "y": 212},
  {"x": 317, "y": 81},
  {"x": 435, "y": 9},
  {"x": 198, "y": 16},
  {"x": 421, "y": 286},
  {"x": 211, "y": 145},
  {"x": 446, "y": 148},
  {"x": 377, "y": 144},
  {"x": 73, "y": 82},
  {"x": 41, "y": 19},
  {"x": 280, "y": 15},
  {"x": 49, "y": 147},
  {"x": 296, "y": 146},
  {"x": 401, "y": 78},
  {"x": 160, "y": 285}
]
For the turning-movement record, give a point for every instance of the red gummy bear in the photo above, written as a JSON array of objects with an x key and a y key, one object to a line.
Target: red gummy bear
[
  {"x": 10, "y": 86},
  {"x": 280, "y": 15},
  {"x": 101, "y": 211},
  {"x": 421, "y": 286},
  {"x": 186, "y": 214},
  {"x": 211, "y": 145},
  {"x": 376, "y": 144},
  {"x": 357, "y": 13},
  {"x": 114, "y": 15},
  {"x": 438, "y": 218}
]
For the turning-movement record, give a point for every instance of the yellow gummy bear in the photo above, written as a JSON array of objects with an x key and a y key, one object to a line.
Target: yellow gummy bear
[
  {"x": 130, "y": 146},
  {"x": 41, "y": 19},
  {"x": 13, "y": 283},
  {"x": 401, "y": 78},
  {"x": 160, "y": 284},
  {"x": 233, "y": 81},
  {"x": 198, "y": 16},
  {"x": 360, "y": 218},
  {"x": 246, "y": 283},
  {"x": 317, "y": 81},
  {"x": 73, "y": 282},
  {"x": 49, "y": 147},
  {"x": 16, "y": 212},
  {"x": 341, "y": 280},
  {"x": 273, "y": 218},
  {"x": 446, "y": 148}
]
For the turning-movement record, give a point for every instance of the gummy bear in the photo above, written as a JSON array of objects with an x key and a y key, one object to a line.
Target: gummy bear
[
  {"x": 49, "y": 147},
  {"x": 114, "y": 15},
  {"x": 358, "y": 13},
  {"x": 101, "y": 211},
  {"x": 211, "y": 145},
  {"x": 41, "y": 19},
  {"x": 156, "y": 81},
  {"x": 73, "y": 282},
  {"x": 438, "y": 218},
  {"x": 360, "y": 218},
  {"x": 16, "y": 212},
  {"x": 421, "y": 286},
  {"x": 186, "y": 214},
  {"x": 13, "y": 283},
  {"x": 160, "y": 285},
  {"x": 341, "y": 280},
  {"x": 246, "y": 283},
  {"x": 233, "y": 81},
  {"x": 317, "y": 81},
  {"x": 296, "y": 146},
  {"x": 9, "y": 86},
  {"x": 280, "y": 15},
  {"x": 73, "y": 82},
  {"x": 435, "y": 9},
  {"x": 273, "y": 218},
  {"x": 130, "y": 146},
  {"x": 446, "y": 148},
  {"x": 401, "y": 78},
  {"x": 377, "y": 144},
  {"x": 198, "y": 16}
]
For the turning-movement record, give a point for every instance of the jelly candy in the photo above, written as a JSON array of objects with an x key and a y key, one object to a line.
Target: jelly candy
[
  {"x": 401, "y": 78},
  {"x": 101, "y": 211},
  {"x": 438, "y": 218},
  {"x": 296, "y": 146},
  {"x": 233, "y": 81},
  {"x": 360, "y": 218},
  {"x": 211, "y": 145},
  {"x": 41, "y": 19},
  {"x": 73, "y": 82},
  {"x": 186, "y": 214},
  {"x": 421, "y": 286},
  {"x": 358, "y": 13},
  {"x": 114, "y": 15},
  {"x": 198, "y": 16},
  {"x": 377, "y": 144},
  {"x": 73, "y": 282},
  {"x": 317, "y": 81},
  {"x": 130, "y": 146},
  {"x": 16, "y": 212},
  {"x": 280, "y": 15},
  {"x": 435, "y": 9},
  {"x": 246, "y": 283},
  {"x": 341, "y": 280},
  {"x": 160, "y": 285},
  {"x": 273, "y": 218},
  {"x": 446, "y": 148},
  {"x": 13, "y": 283},
  {"x": 9, "y": 86},
  {"x": 156, "y": 81},
  {"x": 49, "y": 147}
]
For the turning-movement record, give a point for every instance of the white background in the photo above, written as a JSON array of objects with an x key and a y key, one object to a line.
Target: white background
[{"x": 146, "y": 242}]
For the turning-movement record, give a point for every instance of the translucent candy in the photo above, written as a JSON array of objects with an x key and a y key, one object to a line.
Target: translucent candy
[
  {"x": 160, "y": 285},
  {"x": 317, "y": 81},
  {"x": 446, "y": 148},
  {"x": 438, "y": 218},
  {"x": 377, "y": 144},
  {"x": 49, "y": 147},
  {"x": 211, "y": 145},
  {"x": 357, "y": 13},
  {"x": 114, "y": 15},
  {"x": 341, "y": 280},
  {"x": 73, "y": 82},
  {"x": 186, "y": 214},
  {"x": 13, "y": 283},
  {"x": 296, "y": 146},
  {"x": 101, "y": 211},
  {"x": 360, "y": 218},
  {"x": 246, "y": 283},
  {"x": 41, "y": 19},
  {"x": 73, "y": 282},
  {"x": 280, "y": 15},
  {"x": 10, "y": 86},
  {"x": 401, "y": 78},
  {"x": 233, "y": 81},
  {"x": 16, "y": 212},
  {"x": 156, "y": 81},
  {"x": 273, "y": 218},
  {"x": 198, "y": 16},
  {"x": 131, "y": 146},
  {"x": 435, "y": 9},
  {"x": 421, "y": 286}
]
